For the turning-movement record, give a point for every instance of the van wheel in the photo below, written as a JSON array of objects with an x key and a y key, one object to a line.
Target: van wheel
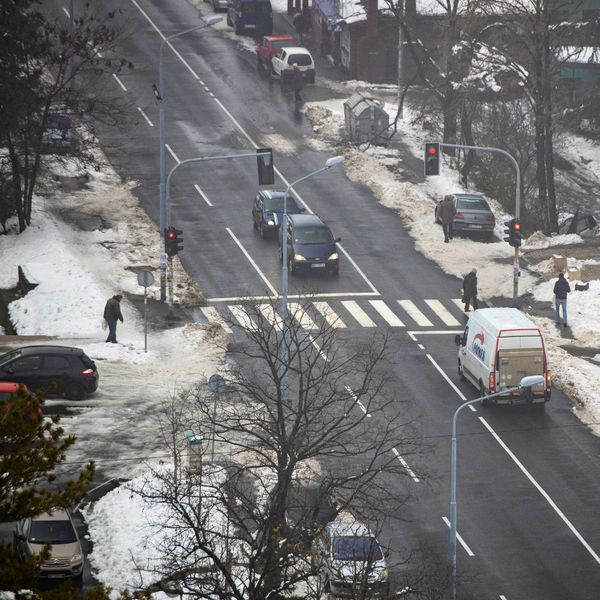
[
  {"x": 229, "y": 20},
  {"x": 483, "y": 392},
  {"x": 461, "y": 374},
  {"x": 75, "y": 391}
]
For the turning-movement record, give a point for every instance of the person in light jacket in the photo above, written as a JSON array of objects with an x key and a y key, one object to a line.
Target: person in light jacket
[
  {"x": 445, "y": 212},
  {"x": 470, "y": 290},
  {"x": 561, "y": 289},
  {"x": 112, "y": 313}
]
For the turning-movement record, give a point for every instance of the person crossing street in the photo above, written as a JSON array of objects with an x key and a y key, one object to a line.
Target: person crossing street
[{"x": 470, "y": 290}]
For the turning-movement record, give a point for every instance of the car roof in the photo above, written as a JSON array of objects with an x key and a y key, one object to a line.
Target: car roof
[
  {"x": 306, "y": 220},
  {"x": 25, "y": 350},
  {"x": 345, "y": 524},
  {"x": 465, "y": 195},
  {"x": 296, "y": 50},
  {"x": 273, "y": 194},
  {"x": 58, "y": 514},
  {"x": 275, "y": 38}
]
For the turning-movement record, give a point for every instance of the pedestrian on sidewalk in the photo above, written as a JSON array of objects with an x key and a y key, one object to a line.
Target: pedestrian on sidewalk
[
  {"x": 297, "y": 83},
  {"x": 470, "y": 290},
  {"x": 561, "y": 289},
  {"x": 445, "y": 212},
  {"x": 112, "y": 313}
]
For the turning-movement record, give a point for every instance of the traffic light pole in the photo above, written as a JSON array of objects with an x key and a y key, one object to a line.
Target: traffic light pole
[{"x": 517, "y": 204}]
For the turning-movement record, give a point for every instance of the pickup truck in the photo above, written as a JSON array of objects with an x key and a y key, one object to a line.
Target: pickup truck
[{"x": 270, "y": 45}]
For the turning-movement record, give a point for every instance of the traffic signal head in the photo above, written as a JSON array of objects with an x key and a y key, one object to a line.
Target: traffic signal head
[
  {"x": 513, "y": 231},
  {"x": 173, "y": 241},
  {"x": 432, "y": 158},
  {"x": 266, "y": 175}
]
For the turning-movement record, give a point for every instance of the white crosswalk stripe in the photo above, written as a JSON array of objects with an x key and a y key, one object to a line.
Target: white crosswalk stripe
[
  {"x": 270, "y": 315},
  {"x": 411, "y": 308},
  {"x": 440, "y": 310},
  {"x": 330, "y": 316},
  {"x": 358, "y": 313},
  {"x": 386, "y": 312},
  {"x": 301, "y": 316},
  {"x": 459, "y": 303},
  {"x": 242, "y": 317},
  {"x": 212, "y": 314}
]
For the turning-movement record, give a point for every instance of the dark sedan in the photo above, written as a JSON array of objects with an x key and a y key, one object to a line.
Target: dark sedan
[
  {"x": 267, "y": 211},
  {"x": 473, "y": 215},
  {"x": 57, "y": 370}
]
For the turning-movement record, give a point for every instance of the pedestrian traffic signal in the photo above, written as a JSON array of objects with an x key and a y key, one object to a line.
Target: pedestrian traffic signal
[
  {"x": 264, "y": 157},
  {"x": 173, "y": 241},
  {"x": 432, "y": 158},
  {"x": 513, "y": 231}
]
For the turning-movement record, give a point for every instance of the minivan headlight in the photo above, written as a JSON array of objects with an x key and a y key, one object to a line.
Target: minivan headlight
[
  {"x": 383, "y": 574},
  {"x": 299, "y": 257},
  {"x": 334, "y": 256},
  {"x": 76, "y": 558},
  {"x": 270, "y": 222}
]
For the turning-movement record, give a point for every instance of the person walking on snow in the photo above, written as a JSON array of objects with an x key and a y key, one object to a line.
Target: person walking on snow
[
  {"x": 112, "y": 313},
  {"x": 561, "y": 289},
  {"x": 446, "y": 211},
  {"x": 470, "y": 290},
  {"x": 297, "y": 82}
]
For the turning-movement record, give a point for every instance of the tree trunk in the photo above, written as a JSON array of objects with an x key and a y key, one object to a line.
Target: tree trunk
[{"x": 16, "y": 183}]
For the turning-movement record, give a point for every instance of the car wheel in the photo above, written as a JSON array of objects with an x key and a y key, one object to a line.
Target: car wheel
[
  {"x": 75, "y": 391},
  {"x": 78, "y": 581},
  {"x": 483, "y": 392},
  {"x": 228, "y": 19},
  {"x": 238, "y": 30},
  {"x": 461, "y": 375},
  {"x": 311, "y": 79},
  {"x": 336, "y": 271},
  {"x": 261, "y": 230}
]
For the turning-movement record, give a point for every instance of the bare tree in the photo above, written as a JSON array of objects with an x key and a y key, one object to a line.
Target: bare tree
[{"x": 302, "y": 411}]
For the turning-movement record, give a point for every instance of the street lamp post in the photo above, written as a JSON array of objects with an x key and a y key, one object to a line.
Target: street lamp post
[
  {"x": 160, "y": 96},
  {"x": 526, "y": 382},
  {"x": 330, "y": 162}
]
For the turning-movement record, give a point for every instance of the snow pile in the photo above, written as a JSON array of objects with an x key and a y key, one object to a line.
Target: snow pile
[{"x": 538, "y": 240}]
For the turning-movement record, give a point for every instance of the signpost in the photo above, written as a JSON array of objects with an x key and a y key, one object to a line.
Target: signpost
[
  {"x": 216, "y": 384},
  {"x": 145, "y": 278}
]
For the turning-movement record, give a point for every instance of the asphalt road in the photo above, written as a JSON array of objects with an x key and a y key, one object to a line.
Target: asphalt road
[{"x": 528, "y": 480}]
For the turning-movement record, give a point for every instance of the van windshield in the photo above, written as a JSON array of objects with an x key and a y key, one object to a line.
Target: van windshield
[
  {"x": 363, "y": 548},
  {"x": 276, "y": 205},
  {"x": 52, "y": 532},
  {"x": 313, "y": 235},
  {"x": 471, "y": 204}
]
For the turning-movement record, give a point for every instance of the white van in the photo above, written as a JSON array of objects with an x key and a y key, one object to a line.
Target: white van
[{"x": 499, "y": 347}]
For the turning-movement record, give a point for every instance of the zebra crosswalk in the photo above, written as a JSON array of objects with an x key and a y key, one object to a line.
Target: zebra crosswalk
[{"x": 429, "y": 313}]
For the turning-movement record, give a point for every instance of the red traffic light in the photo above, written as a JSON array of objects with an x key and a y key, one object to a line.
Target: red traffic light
[
  {"x": 170, "y": 234},
  {"x": 432, "y": 150},
  {"x": 517, "y": 226}
]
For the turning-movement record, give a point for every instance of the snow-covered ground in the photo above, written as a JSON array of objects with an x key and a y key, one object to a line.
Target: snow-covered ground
[{"x": 78, "y": 270}]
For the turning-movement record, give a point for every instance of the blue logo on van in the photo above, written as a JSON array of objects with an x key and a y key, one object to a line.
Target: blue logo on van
[{"x": 478, "y": 350}]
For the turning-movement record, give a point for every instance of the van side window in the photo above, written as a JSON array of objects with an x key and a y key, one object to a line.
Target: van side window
[{"x": 464, "y": 338}]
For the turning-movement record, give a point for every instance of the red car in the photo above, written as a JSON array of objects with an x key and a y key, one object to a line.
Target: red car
[
  {"x": 270, "y": 45},
  {"x": 8, "y": 389}
]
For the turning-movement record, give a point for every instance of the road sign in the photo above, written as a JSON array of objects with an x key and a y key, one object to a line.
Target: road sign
[
  {"x": 216, "y": 384},
  {"x": 145, "y": 278}
]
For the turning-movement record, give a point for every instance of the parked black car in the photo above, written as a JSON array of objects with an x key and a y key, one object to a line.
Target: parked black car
[
  {"x": 58, "y": 370},
  {"x": 267, "y": 211},
  {"x": 311, "y": 245}
]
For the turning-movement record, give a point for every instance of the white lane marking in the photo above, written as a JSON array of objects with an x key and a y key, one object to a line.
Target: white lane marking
[
  {"x": 438, "y": 332},
  {"x": 271, "y": 316},
  {"x": 386, "y": 312},
  {"x": 410, "y": 307},
  {"x": 202, "y": 194},
  {"x": 411, "y": 335},
  {"x": 421, "y": 347},
  {"x": 262, "y": 275},
  {"x": 119, "y": 82},
  {"x": 160, "y": 33},
  {"x": 172, "y": 153},
  {"x": 332, "y": 318},
  {"x": 247, "y": 136},
  {"x": 358, "y": 269},
  {"x": 541, "y": 491},
  {"x": 502, "y": 597},
  {"x": 355, "y": 398},
  {"x": 405, "y": 465},
  {"x": 301, "y": 316},
  {"x": 459, "y": 538},
  {"x": 314, "y": 343},
  {"x": 358, "y": 313},
  {"x": 211, "y": 94},
  {"x": 242, "y": 317},
  {"x": 292, "y": 296},
  {"x": 211, "y": 314},
  {"x": 440, "y": 310},
  {"x": 146, "y": 117},
  {"x": 443, "y": 374},
  {"x": 67, "y": 12}
]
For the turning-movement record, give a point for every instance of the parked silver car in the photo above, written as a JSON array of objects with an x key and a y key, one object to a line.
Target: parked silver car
[
  {"x": 473, "y": 215},
  {"x": 349, "y": 560},
  {"x": 57, "y": 529}
]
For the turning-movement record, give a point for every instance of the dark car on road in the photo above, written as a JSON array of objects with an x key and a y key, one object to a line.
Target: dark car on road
[
  {"x": 311, "y": 245},
  {"x": 267, "y": 211},
  {"x": 57, "y": 370},
  {"x": 473, "y": 215}
]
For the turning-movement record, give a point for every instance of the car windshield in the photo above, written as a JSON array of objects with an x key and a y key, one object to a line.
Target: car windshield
[
  {"x": 313, "y": 235},
  {"x": 302, "y": 60},
  {"x": 9, "y": 357},
  {"x": 351, "y": 547},
  {"x": 276, "y": 205},
  {"x": 471, "y": 204},
  {"x": 52, "y": 532}
]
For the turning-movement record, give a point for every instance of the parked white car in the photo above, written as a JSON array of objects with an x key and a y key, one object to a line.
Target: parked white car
[{"x": 283, "y": 62}]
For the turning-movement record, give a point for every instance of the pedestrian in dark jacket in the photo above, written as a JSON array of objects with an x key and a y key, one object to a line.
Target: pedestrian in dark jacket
[
  {"x": 561, "y": 289},
  {"x": 445, "y": 212},
  {"x": 297, "y": 82},
  {"x": 470, "y": 290},
  {"x": 112, "y": 313}
]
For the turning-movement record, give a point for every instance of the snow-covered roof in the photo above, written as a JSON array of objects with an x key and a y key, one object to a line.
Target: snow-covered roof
[
  {"x": 584, "y": 54},
  {"x": 352, "y": 11}
]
